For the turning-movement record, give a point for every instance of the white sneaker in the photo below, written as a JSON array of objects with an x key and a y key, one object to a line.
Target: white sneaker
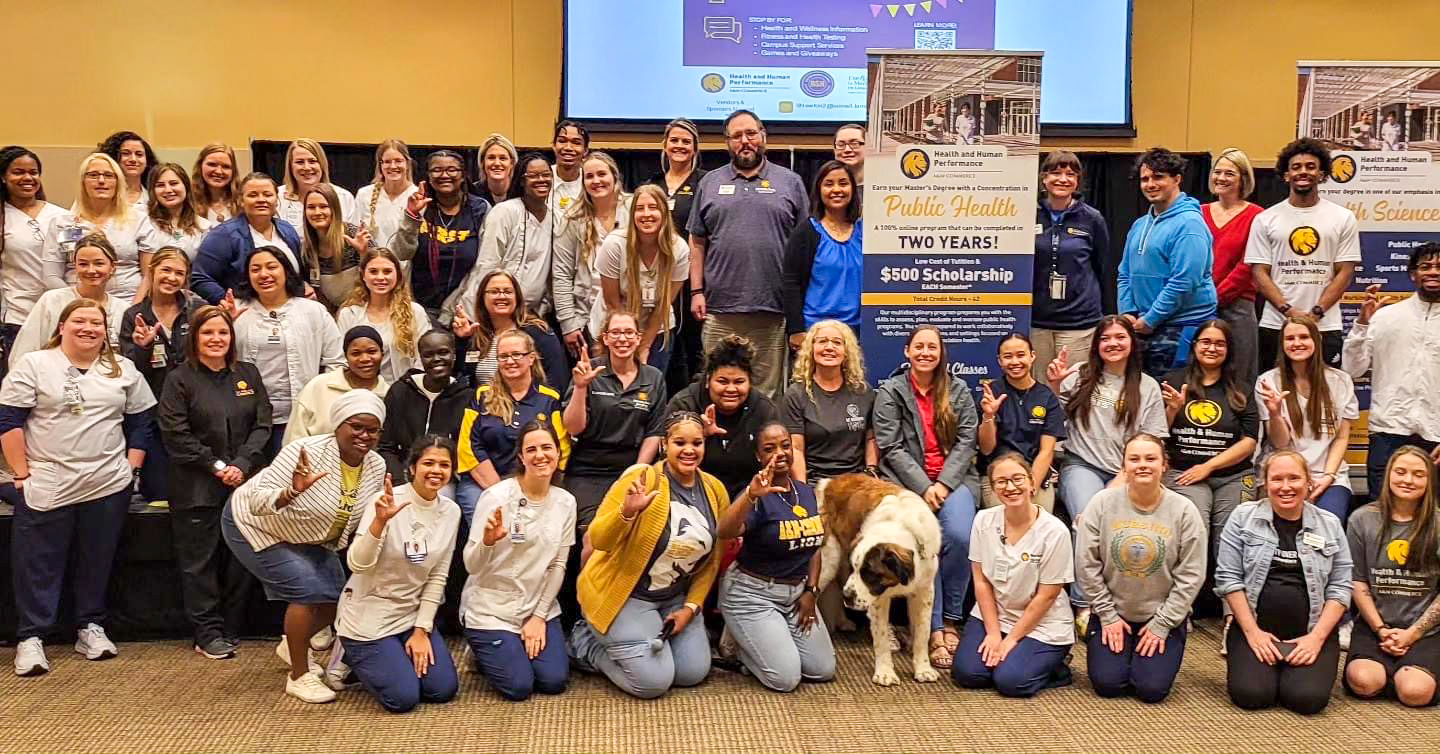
[
  {"x": 336, "y": 671},
  {"x": 309, "y": 688},
  {"x": 323, "y": 639},
  {"x": 92, "y": 642},
  {"x": 30, "y": 658},
  {"x": 282, "y": 650},
  {"x": 1345, "y": 630}
]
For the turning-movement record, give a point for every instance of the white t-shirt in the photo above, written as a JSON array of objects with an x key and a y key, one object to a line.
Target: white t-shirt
[
  {"x": 154, "y": 238},
  {"x": 74, "y": 438},
  {"x": 1044, "y": 555},
  {"x": 385, "y": 222},
  {"x": 1317, "y": 449},
  {"x": 276, "y": 240},
  {"x": 563, "y": 194},
  {"x": 292, "y": 210},
  {"x": 611, "y": 262},
  {"x": 394, "y": 364},
  {"x": 125, "y": 234},
  {"x": 508, "y": 580},
  {"x": 1302, "y": 245},
  {"x": 23, "y": 261},
  {"x": 398, "y": 580},
  {"x": 40, "y": 325}
]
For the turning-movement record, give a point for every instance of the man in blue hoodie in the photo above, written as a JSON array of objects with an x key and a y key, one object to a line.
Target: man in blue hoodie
[{"x": 1165, "y": 287}]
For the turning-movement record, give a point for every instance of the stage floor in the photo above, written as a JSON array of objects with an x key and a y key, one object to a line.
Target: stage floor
[{"x": 162, "y": 697}]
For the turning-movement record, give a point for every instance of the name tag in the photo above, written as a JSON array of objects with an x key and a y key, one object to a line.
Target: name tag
[
  {"x": 1313, "y": 540},
  {"x": 672, "y": 204},
  {"x": 1001, "y": 572},
  {"x": 472, "y": 357},
  {"x": 157, "y": 355},
  {"x": 727, "y": 189}
]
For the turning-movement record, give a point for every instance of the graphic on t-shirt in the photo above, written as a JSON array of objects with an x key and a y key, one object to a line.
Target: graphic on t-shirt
[
  {"x": 853, "y": 420},
  {"x": 1203, "y": 413},
  {"x": 1304, "y": 240},
  {"x": 805, "y": 533},
  {"x": 690, "y": 541},
  {"x": 1137, "y": 550},
  {"x": 1398, "y": 551}
]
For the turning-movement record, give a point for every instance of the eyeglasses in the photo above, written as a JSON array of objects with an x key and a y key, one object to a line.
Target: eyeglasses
[
  {"x": 1018, "y": 482},
  {"x": 96, "y": 175},
  {"x": 363, "y": 430},
  {"x": 499, "y": 291},
  {"x": 751, "y": 135},
  {"x": 1428, "y": 267},
  {"x": 625, "y": 334},
  {"x": 852, "y": 144},
  {"x": 829, "y": 342},
  {"x": 1209, "y": 343},
  {"x": 393, "y": 162},
  {"x": 36, "y": 231},
  {"x": 445, "y": 171},
  {"x": 536, "y": 176},
  {"x": 513, "y": 356}
]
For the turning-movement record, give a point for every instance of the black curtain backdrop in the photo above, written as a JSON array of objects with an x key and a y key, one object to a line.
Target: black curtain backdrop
[{"x": 1110, "y": 182}]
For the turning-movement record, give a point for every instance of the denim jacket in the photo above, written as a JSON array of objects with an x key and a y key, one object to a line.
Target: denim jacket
[{"x": 1248, "y": 544}]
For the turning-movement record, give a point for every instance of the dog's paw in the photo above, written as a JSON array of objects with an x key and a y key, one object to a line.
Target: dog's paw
[
  {"x": 927, "y": 674},
  {"x": 885, "y": 677}
]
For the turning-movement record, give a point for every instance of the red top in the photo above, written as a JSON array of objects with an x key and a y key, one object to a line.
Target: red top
[
  {"x": 1232, "y": 275},
  {"x": 925, "y": 402}
]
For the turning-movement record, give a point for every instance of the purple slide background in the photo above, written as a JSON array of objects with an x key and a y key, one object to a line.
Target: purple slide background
[{"x": 974, "y": 29}]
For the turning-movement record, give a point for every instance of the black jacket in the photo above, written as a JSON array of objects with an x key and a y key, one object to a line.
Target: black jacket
[
  {"x": 729, "y": 457},
  {"x": 410, "y": 415},
  {"x": 208, "y": 416},
  {"x": 175, "y": 344}
]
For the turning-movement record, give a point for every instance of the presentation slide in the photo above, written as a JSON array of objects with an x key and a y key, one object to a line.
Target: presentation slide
[{"x": 804, "y": 60}]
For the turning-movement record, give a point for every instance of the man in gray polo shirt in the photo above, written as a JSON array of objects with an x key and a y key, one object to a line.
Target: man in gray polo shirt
[{"x": 741, "y": 217}]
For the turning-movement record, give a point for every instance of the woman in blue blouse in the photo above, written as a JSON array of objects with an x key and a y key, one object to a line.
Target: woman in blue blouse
[{"x": 823, "y": 266}]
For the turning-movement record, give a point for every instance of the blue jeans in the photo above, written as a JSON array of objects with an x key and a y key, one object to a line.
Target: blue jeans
[
  {"x": 1079, "y": 482},
  {"x": 635, "y": 659},
  {"x": 764, "y": 622},
  {"x": 388, "y": 672},
  {"x": 1382, "y": 446},
  {"x": 500, "y": 655},
  {"x": 1336, "y": 499},
  {"x": 956, "y": 518},
  {"x": 1029, "y": 668},
  {"x": 1125, "y": 673},
  {"x": 661, "y": 350}
]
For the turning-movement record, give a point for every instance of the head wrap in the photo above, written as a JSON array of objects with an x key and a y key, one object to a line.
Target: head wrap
[
  {"x": 362, "y": 331},
  {"x": 354, "y": 403}
]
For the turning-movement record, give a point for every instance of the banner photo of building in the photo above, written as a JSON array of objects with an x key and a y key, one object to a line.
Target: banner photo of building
[
  {"x": 1382, "y": 123},
  {"x": 949, "y": 203}
]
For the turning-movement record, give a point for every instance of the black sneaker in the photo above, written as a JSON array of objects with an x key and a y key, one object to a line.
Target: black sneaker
[{"x": 218, "y": 648}]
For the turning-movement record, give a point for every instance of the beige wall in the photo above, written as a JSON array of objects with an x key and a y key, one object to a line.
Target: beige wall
[{"x": 1208, "y": 74}]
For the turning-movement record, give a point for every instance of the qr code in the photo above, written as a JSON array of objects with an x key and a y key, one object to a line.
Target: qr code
[{"x": 934, "y": 39}]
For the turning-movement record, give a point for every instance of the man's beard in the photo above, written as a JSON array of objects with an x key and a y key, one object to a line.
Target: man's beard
[
  {"x": 1428, "y": 296},
  {"x": 751, "y": 162}
]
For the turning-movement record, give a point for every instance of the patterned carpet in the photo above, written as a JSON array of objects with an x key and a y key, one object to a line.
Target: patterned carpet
[{"x": 161, "y": 697}]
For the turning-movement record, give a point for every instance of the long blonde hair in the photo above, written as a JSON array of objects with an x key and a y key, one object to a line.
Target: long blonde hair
[
  {"x": 107, "y": 352},
  {"x": 202, "y": 198},
  {"x": 1320, "y": 414},
  {"x": 378, "y": 183},
  {"x": 853, "y": 369},
  {"x": 584, "y": 210},
  {"x": 664, "y": 259},
  {"x": 313, "y": 147},
  {"x": 332, "y": 244},
  {"x": 498, "y": 401},
  {"x": 401, "y": 314},
  {"x": 117, "y": 209}
]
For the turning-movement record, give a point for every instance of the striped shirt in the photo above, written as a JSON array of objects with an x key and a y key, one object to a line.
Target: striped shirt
[{"x": 307, "y": 520}]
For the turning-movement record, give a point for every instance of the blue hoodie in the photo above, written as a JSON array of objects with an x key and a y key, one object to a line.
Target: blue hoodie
[{"x": 1165, "y": 274}]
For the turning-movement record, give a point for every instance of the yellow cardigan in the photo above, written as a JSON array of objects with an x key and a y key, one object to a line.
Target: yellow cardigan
[{"x": 623, "y": 548}]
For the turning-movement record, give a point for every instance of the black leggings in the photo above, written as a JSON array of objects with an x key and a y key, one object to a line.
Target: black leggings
[{"x": 1304, "y": 689}]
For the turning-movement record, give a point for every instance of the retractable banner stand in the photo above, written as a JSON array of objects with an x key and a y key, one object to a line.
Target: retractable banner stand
[
  {"x": 950, "y": 188},
  {"x": 1381, "y": 121}
]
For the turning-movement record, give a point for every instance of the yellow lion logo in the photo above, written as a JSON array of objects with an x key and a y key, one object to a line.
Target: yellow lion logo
[
  {"x": 712, "y": 82},
  {"x": 1398, "y": 551},
  {"x": 1343, "y": 168},
  {"x": 1038, "y": 412},
  {"x": 915, "y": 163},
  {"x": 1202, "y": 413},
  {"x": 1304, "y": 240}
]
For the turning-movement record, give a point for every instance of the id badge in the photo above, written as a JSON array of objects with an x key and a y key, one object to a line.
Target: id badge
[
  {"x": 417, "y": 549},
  {"x": 472, "y": 357},
  {"x": 274, "y": 335},
  {"x": 1057, "y": 286},
  {"x": 1002, "y": 570},
  {"x": 1313, "y": 541},
  {"x": 517, "y": 526},
  {"x": 157, "y": 355}
]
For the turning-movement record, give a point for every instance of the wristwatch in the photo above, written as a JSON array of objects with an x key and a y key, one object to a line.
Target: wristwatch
[
  {"x": 218, "y": 466},
  {"x": 1317, "y": 310},
  {"x": 1284, "y": 308}
]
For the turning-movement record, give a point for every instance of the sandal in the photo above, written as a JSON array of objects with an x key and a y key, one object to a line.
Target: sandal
[{"x": 941, "y": 656}]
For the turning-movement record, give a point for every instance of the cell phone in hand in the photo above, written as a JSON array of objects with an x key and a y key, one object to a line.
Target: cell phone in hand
[
  {"x": 1285, "y": 648},
  {"x": 666, "y": 629}
]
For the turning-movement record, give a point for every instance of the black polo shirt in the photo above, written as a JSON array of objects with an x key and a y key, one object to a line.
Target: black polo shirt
[
  {"x": 1208, "y": 425},
  {"x": 1025, "y": 417},
  {"x": 682, "y": 200},
  {"x": 729, "y": 457},
  {"x": 618, "y": 420}
]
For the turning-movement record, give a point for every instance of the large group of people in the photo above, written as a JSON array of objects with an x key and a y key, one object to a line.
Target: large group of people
[{"x": 476, "y": 389}]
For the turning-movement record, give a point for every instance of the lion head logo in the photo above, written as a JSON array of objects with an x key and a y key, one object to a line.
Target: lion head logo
[
  {"x": 1398, "y": 551},
  {"x": 1202, "y": 413},
  {"x": 915, "y": 163},
  {"x": 1304, "y": 240},
  {"x": 1342, "y": 169}
]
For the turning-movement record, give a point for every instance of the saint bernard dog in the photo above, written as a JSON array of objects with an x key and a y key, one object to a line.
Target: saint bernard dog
[{"x": 889, "y": 542}]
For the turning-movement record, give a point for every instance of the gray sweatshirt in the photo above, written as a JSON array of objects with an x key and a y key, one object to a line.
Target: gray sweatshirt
[{"x": 1140, "y": 566}]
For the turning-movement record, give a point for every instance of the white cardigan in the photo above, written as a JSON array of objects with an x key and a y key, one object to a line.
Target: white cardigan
[{"x": 312, "y": 342}]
